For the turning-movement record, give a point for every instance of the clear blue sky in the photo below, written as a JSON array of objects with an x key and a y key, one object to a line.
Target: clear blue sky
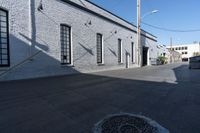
[{"x": 173, "y": 14}]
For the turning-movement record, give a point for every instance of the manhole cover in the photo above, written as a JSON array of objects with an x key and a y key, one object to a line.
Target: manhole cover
[{"x": 128, "y": 123}]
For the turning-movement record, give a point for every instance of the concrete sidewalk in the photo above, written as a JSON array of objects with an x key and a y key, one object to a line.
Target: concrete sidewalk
[{"x": 73, "y": 104}]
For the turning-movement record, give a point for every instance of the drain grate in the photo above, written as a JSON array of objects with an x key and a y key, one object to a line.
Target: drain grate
[{"x": 128, "y": 123}]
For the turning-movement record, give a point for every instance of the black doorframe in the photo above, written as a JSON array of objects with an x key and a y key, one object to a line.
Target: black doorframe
[{"x": 145, "y": 56}]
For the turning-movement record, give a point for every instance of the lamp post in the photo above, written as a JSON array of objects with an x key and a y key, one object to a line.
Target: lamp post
[
  {"x": 149, "y": 13},
  {"x": 138, "y": 35},
  {"x": 139, "y": 50}
]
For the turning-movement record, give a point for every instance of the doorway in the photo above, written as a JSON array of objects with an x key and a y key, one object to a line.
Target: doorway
[{"x": 145, "y": 56}]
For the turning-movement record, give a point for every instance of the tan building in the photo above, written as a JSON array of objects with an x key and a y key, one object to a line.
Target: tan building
[{"x": 175, "y": 56}]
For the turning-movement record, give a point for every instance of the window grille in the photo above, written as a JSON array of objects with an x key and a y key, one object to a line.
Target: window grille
[
  {"x": 119, "y": 50},
  {"x": 4, "y": 39},
  {"x": 133, "y": 52},
  {"x": 99, "y": 49},
  {"x": 65, "y": 39}
]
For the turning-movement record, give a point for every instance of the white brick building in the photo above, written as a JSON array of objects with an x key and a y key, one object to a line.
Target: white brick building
[
  {"x": 186, "y": 50},
  {"x": 57, "y": 37}
]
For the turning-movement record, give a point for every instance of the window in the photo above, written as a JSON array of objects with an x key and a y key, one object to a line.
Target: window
[
  {"x": 182, "y": 52},
  {"x": 179, "y": 48},
  {"x": 132, "y": 52},
  {"x": 65, "y": 39},
  {"x": 185, "y": 52},
  {"x": 99, "y": 48},
  {"x": 176, "y": 48},
  {"x": 4, "y": 39},
  {"x": 119, "y": 51},
  {"x": 185, "y": 48}
]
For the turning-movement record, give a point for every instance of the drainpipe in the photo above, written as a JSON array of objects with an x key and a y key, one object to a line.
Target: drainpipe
[
  {"x": 30, "y": 27},
  {"x": 127, "y": 59}
]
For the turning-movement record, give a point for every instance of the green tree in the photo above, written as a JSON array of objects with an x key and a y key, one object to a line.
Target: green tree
[
  {"x": 162, "y": 59},
  {"x": 196, "y": 54}
]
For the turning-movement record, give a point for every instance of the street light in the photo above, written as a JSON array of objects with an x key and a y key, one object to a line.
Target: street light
[
  {"x": 149, "y": 13},
  {"x": 139, "y": 60}
]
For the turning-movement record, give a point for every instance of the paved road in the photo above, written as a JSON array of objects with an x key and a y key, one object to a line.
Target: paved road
[{"x": 168, "y": 94}]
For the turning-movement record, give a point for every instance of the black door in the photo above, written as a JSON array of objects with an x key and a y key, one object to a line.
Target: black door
[{"x": 145, "y": 51}]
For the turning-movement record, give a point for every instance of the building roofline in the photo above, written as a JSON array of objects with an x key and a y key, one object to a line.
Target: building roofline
[
  {"x": 110, "y": 12},
  {"x": 179, "y": 45},
  {"x": 108, "y": 19},
  {"x": 118, "y": 17}
]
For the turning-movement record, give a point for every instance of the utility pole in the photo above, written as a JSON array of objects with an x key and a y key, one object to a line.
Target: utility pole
[
  {"x": 171, "y": 52},
  {"x": 139, "y": 50}
]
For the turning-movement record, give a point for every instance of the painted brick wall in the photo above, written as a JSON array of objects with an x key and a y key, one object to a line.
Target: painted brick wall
[{"x": 32, "y": 31}]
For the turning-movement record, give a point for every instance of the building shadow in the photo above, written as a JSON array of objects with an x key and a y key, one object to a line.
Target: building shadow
[
  {"x": 88, "y": 50},
  {"x": 26, "y": 63},
  {"x": 31, "y": 59},
  {"x": 44, "y": 46},
  {"x": 84, "y": 99}
]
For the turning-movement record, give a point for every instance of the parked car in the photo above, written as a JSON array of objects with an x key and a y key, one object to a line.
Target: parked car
[{"x": 194, "y": 62}]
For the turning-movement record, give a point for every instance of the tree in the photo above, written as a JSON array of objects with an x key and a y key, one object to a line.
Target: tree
[
  {"x": 196, "y": 54},
  {"x": 162, "y": 59}
]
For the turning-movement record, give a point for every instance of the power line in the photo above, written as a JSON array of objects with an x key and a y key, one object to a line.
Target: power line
[{"x": 171, "y": 30}]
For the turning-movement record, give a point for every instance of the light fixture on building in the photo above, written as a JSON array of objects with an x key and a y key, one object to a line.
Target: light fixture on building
[
  {"x": 114, "y": 32},
  {"x": 40, "y": 7},
  {"x": 89, "y": 22},
  {"x": 129, "y": 37}
]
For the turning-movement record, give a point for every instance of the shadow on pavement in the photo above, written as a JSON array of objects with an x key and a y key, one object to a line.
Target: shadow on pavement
[{"x": 73, "y": 104}]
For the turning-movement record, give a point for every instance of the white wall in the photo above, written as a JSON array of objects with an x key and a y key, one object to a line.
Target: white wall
[
  {"x": 32, "y": 31},
  {"x": 191, "y": 48}
]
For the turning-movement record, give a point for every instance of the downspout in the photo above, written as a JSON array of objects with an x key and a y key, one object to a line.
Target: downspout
[{"x": 30, "y": 27}]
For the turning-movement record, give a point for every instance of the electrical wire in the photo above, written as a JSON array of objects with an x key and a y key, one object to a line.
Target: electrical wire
[{"x": 170, "y": 30}]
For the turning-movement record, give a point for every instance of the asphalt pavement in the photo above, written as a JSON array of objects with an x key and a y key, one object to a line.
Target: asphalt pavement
[{"x": 168, "y": 94}]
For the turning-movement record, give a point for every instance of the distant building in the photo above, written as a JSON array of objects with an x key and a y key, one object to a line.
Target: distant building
[
  {"x": 162, "y": 50},
  {"x": 175, "y": 56},
  {"x": 186, "y": 50}
]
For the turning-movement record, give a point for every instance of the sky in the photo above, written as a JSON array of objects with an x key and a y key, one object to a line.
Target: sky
[{"x": 173, "y": 14}]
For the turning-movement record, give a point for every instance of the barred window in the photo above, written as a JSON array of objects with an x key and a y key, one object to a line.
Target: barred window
[
  {"x": 132, "y": 52},
  {"x": 119, "y": 50},
  {"x": 65, "y": 39},
  {"x": 99, "y": 48},
  {"x": 4, "y": 39}
]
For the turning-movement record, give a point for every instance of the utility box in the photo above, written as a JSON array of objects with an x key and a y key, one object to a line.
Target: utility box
[{"x": 194, "y": 62}]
